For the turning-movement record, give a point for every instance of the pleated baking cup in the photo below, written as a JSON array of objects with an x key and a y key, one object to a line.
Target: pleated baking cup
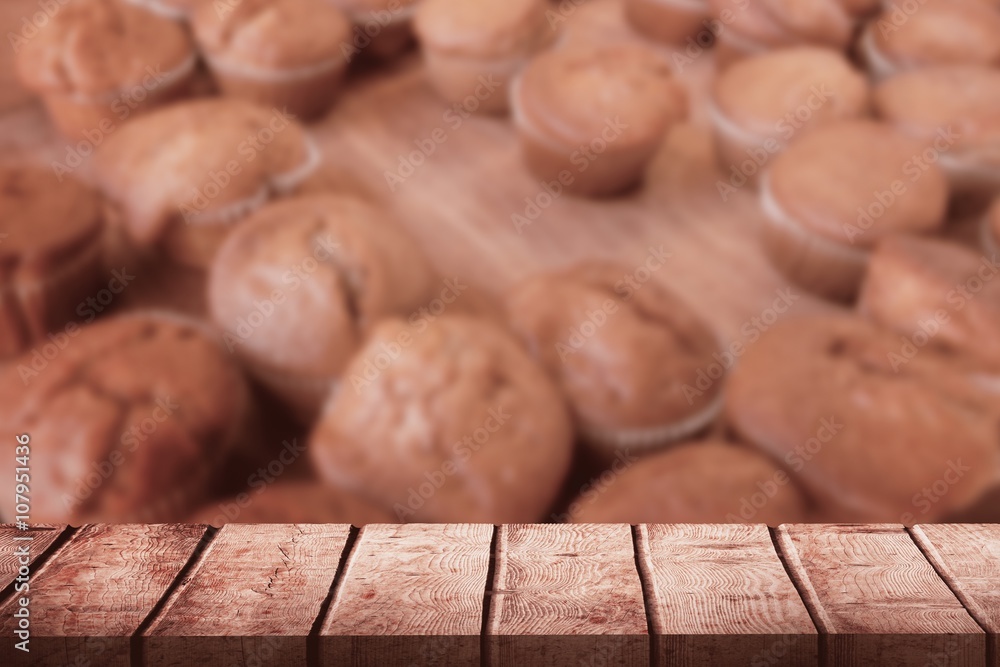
[
  {"x": 275, "y": 76},
  {"x": 164, "y": 9},
  {"x": 165, "y": 82},
  {"x": 645, "y": 439},
  {"x": 230, "y": 213},
  {"x": 286, "y": 182},
  {"x": 879, "y": 66}
]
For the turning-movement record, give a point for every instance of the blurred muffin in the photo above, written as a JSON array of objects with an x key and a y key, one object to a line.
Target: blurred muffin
[
  {"x": 866, "y": 430},
  {"x": 50, "y": 253},
  {"x": 597, "y": 336},
  {"x": 297, "y": 287},
  {"x": 449, "y": 421},
  {"x": 839, "y": 190},
  {"x": 96, "y": 63},
  {"x": 668, "y": 21},
  {"x": 382, "y": 28},
  {"x": 173, "y": 9},
  {"x": 181, "y": 178},
  {"x": 698, "y": 482},
  {"x": 291, "y": 502},
  {"x": 937, "y": 294},
  {"x": 287, "y": 54},
  {"x": 751, "y": 28},
  {"x": 990, "y": 230},
  {"x": 134, "y": 421},
  {"x": 760, "y": 104},
  {"x": 592, "y": 118},
  {"x": 941, "y": 33},
  {"x": 952, "y": 111},
  {"x": 474, "y": 49}
]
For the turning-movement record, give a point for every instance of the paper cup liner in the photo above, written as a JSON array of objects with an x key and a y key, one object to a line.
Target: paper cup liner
[
  {"x": 987, "y": 237},
  {"x": 171, "y": 78},
  {"x": 275, "y": 76},
  {"x": 651, "y": 438},
  {"x": 161, "y": 9},
  {"x": 286, "y": 182},
  {"x": 233, "y": 212},
  {"x": 878, "y": 64}
]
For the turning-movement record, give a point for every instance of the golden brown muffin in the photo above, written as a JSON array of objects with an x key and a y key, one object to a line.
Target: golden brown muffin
[
  {"x": 592, "y": 118},
  {"x": 474, "y": 49},
  {"x": 182, "y": 177},
  {"x": 940, "y": 33},
  {"x": 133, "y": 421},
  {"x": 382, "y": 28},
  {"x": 297, "y": 288},
  {"x": 97, "y": 63},
  {"x": 866, "y": 431},
  {"x": 287, "y": 54},
  {"x": 762, "y": 103},
  {"x": 698, "y": 482},
  {"x": 952, "y": 111},
  {"x": 291, "y": 502},
  {"x": 596, "y": 336},
  {"x": 839, "y": 190},
  {"x": 936, "y": 294},
  {"x": 50, "y": 254},
  {"x": 668, "y": 21},
  {"x": 446, "y": 421}
]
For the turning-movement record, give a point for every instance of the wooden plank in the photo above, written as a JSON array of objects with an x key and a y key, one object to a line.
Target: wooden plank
[
  {"x": 719, "y": 596},
  {"x": 878, "y": 599},
  {"x": 967, "y": 556},
  {"x": 411, "y": 595},
  {"x": 252, "y": 599},
  {"x": 88, "y": 601},
  {"x": 36, "y": 540},
  {"x": 566, "y": 595}
]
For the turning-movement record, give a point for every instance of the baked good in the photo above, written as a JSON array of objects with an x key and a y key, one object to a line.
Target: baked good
[
  {"x": 181, "y": 178},
  {"x": 698, "y": 482},
  {"x": 668, "y": 21},
  {"x": 990, "y": 230},
  {"x": 134, "y": 421},
  {"x": 937, "y": 294},
  {"x": 762, "y": 103},
  {"x": 952, "y": 111},
  {"x": 446, "y": 421},
  {"x": 473, "y": 49},
  {"x": 50, "y": 256},
  {"x": 290, "y": 502},
  {"x": 591, "y": 119},
  {"x": 287, "y": 54},
  {"x": 298, "y": 286},
  {"x": 837, "y": 191},
  {"x": 867, "y": 431},
  {"x": 99, "y": 63},
  {"x": 596, "y": 331}
]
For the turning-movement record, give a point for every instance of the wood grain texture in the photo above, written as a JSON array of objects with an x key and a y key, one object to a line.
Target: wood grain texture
[
  {"x": 967, "y": 556},
  {"x": 876, "y": 597},
  {"x": 411, "y": 595},
  {"x": 719, "y": 596},
  {"x": 90, "y": 599},
  {"x": 12, "y": 541},
  {"x": 251, "y": 600},
  {"x": 566, "y": 595}
]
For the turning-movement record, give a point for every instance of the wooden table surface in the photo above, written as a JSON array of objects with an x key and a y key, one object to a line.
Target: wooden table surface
[{"x": 519, "y": 595}]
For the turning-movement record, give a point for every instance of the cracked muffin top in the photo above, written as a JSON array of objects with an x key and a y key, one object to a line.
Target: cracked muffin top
[
  {"x": 448, "y": 420},
  {"x": 130, "y": 420},
  {"x": 333, "y": 265},
  {"x": 43, "y": 221},
  {"x": 947, "y": 291},
  {"x": 92, "y": 47},
  {"x": 272, "y": 34},
  {"x": 863, "y": 421},
  {"x": 596, "y": 333},
  {"x": 200, "y": 162},
  {"x": 697, "y": 482},
  {"x": 292, "y": 502}
]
